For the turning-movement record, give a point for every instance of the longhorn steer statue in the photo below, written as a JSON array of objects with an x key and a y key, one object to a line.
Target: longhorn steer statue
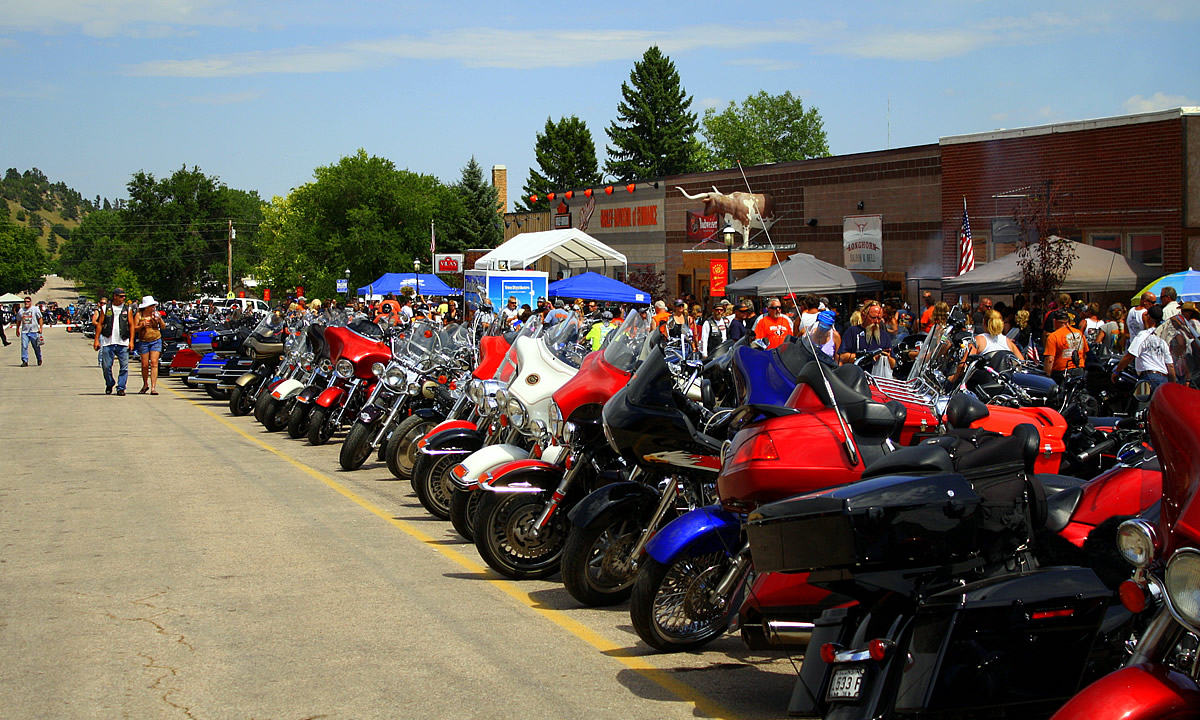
[{"x": 740, "y": 209}]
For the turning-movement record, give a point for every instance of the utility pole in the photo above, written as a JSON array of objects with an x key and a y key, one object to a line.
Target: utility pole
[{"x": 229, "y": 260}]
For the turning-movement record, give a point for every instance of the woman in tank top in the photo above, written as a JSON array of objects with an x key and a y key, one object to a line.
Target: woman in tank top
[
  {"x": 148, "y": 327},
  {"x": 994, "y": 339}
]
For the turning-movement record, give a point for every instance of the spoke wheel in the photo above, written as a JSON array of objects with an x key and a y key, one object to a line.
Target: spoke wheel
[
  {"x": 670, "y": 606},
  {"x": 596, "y": 567},
  {"x": 241, "y": 400},
  {"x": 463, "y": 507},
  {"x": 504, "y": 535},
  {"x": 431, "y": 480},
  {"x": 402, "y": 446}
]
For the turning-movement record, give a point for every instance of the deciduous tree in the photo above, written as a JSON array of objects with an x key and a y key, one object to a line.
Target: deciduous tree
[
  {"x": 22, "y": 262},
  {"x": 765, "y": 128}
]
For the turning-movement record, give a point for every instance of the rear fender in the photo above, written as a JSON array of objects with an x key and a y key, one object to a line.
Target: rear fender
[
  {"x": 1137, "y": 692},
  {"x": 626, "y": 498},
  {"x": 331, "y": 397},
  {"x": 287, "y": 389},
  {"x": 522, "y": 476},
  {"x": 699, "y": 531},
  {"x": 308, "y": 394}
]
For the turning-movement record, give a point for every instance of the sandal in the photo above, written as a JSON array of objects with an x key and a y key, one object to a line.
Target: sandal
[
  {"x": 143, "y": 391},
  {"x": 153, "y": 392}
]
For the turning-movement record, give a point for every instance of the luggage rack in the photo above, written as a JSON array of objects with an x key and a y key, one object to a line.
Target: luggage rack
[{"x": 907, "y": 391}]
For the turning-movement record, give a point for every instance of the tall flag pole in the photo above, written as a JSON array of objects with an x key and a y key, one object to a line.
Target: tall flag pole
[
  {"x": 432, "y": 247},
  {"x": 966, "y": 249}
]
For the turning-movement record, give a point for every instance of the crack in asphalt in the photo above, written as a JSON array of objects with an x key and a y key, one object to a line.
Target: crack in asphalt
[{"x": 160, "y": 683}]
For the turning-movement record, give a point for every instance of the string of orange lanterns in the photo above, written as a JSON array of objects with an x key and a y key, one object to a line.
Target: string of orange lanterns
[{"x": 608, "y": 190}]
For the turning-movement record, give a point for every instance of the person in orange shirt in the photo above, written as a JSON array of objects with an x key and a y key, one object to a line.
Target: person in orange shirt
[
  {"x": 927, "y": 313},
  {"x": 390, "y": 308},
  {"x": 773, "y": 327},
  {"x": 1066, "y": 347},
  {"x": 660, "y": 317}
]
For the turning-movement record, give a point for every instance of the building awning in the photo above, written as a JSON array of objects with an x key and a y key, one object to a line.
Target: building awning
[{"x": 570, "y": 247}]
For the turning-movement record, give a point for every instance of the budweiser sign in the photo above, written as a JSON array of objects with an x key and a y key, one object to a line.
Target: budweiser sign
[
  {"x": 448, "y": 264},
  {"x": 700, "y": 227}
]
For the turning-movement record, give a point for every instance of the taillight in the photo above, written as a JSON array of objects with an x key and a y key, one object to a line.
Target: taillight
[
  {"x": 1047, "y": 614},
  {"x": 878, "y": 649},
  {"x": 759, "y": 447},
  {"x": 216, "y": 344},
  {"x": 829, "y": 653}
]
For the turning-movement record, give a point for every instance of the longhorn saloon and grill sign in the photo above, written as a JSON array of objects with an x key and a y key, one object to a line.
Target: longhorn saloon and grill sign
[{"x": 862, "y": 242}]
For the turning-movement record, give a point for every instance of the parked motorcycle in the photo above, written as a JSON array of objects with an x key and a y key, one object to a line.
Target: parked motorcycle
[
  {"x": 264, "y": 348},
  {"x": 354, "y": 351}
]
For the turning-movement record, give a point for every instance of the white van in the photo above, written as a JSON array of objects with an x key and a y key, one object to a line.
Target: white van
[{"x": 247, "y": 304}]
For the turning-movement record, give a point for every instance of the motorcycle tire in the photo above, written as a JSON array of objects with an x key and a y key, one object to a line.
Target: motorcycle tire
[
  {"x": 596, "y": 569},
  {"x": 432, "y": 483},
  {"x": 320, "y": 425},
  {"x": 669, "y": 604},
  {"x": 277, "y": 414},
  {"x": 216, "y": 393},
  {"x": 241, "y": 400},
  {"x": 262, "y": 403},
  {"x": 463, "y": 506},
  {"x": 503, "y": 540},
  {"x": 356, "y": 448},
  {"x": 402, "y": 446},
  {"x": 297, "y": 426}
]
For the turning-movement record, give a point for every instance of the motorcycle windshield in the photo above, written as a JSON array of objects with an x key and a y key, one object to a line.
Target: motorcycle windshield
[
  {"x": 625, "y": 346},
  {"x": 272, "y": 324},
  {"x": 418, "y": 342},
  {"x": 564, "y": 339},
  {"x": 933, "y": 354},
  {"x": 508, "y": 366}
]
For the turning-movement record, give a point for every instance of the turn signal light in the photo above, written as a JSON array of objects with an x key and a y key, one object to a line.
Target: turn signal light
[
  {"x": 1047, "y": 614},
  {"x": 442, "y": 379},
  {"x": 1133, "y": 596},
  {"x": 829, "y": 653},
  {"x": 759, "y": 447}
]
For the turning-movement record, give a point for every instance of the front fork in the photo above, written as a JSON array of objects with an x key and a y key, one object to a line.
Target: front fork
[
  {"x": 721, "y": 592},
  {"x": 350, "y": 390},
  {"x": 574, "y": 464},
  {"x": 387, "y": 422}
]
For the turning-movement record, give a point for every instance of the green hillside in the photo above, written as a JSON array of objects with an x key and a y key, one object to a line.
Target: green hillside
[{"x": 52, "y": 210}]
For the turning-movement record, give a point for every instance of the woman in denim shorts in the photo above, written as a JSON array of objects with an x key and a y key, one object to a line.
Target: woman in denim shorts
[{"x": 148, "y": 331}]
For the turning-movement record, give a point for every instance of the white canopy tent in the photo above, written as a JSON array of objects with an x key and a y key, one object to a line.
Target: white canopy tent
[{"x": 570, "y": 247}]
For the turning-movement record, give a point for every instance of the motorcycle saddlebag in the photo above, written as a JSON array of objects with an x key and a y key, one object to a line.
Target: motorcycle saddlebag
[
  {"x": 891, "y": 522},
  {"x": 1009, "y": 643}
]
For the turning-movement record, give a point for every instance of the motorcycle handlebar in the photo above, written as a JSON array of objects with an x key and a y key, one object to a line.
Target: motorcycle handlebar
[{"x": 1096, "y": 449}]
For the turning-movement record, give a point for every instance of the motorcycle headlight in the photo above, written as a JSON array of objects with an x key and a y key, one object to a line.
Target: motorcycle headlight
[
  {"x": 475, "y": 391},
  {"x": 568, "y": 432},
  {"x": 515, "y": 411},
  {"x": 1137, "y": 542},
  {"x": 394, "y": 377},
  {"x": 288, "y": 342},
  {"x": 377, "y": 369},
  {"x": 308, "y": 358},
  {"x": 326, "y": 366},
  {"x": 414, "y": 389},
  {"x": 1182, "y": 581},
  {"x": 502, "y": 397},
  {"x": 344, "y": 368}
]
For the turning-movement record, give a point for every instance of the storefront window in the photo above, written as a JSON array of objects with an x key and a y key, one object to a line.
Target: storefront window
[{"x": 1146, "y": 248}]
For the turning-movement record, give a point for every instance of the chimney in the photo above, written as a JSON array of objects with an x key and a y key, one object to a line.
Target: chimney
[{"x": 500, "y": 182}]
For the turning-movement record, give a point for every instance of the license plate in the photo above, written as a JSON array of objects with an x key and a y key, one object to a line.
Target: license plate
[{"x": 846, "y": 683}]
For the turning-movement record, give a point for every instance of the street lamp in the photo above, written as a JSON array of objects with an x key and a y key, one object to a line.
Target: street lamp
[
  {"x": 729, "y": 235},
  {"x": 416, "y": 278},
  {"x": 347, "y": 286}
]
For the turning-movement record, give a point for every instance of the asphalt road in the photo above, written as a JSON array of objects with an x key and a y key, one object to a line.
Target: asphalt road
[{"x": 161, "y": 559}]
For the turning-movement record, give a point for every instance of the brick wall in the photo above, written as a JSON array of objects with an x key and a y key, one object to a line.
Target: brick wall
[{"x": 1122, "y": 178}]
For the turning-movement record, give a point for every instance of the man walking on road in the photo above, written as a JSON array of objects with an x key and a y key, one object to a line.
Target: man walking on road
[
  {"x": 114, "y": 338},
  {"x": 29, "y": 327}
]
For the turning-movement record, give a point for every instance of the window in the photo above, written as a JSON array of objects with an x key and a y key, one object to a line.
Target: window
[
  {"x": 1146, "y": 248},
  {"x": 1110, "y": 242}
]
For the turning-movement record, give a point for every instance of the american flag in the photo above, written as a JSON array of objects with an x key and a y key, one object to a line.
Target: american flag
[{"x": 966, "y": 250}]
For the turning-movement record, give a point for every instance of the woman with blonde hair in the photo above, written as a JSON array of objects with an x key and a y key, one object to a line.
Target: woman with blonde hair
[
  {"x": 148, "y": 327},
  {"x": 992, "y": 339}
]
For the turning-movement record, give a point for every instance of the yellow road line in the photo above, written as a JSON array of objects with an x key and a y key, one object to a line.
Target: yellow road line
[{"x": 660, "y": 677}]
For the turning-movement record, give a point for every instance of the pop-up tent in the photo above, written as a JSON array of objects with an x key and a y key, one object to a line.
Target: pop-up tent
[
  {"x": 392, "y": 282},
  {"x": 1093, "y": 270},
  {"x": 10, "y": 298},
  {"x": 1186, "y": 284},
  {"x": 591, "y": 286},
  {"x": 570, "y": 246},
  {"x": 804, "y": 273}
]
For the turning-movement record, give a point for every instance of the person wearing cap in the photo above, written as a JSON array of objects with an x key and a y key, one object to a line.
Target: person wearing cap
[
  {"x": 742, "y": 323},
  {"x": 1168, "y": 298},
  {"x": 601, "y": 329},
  {"x": 30, "y": 322},
  {"x": 822, "y": 333},
  {"x": 558, "y": 313},
  {"x": 1066, "y": 347},
  {"x": 660, "y": 316},
  {"x": 1149, "y": 354},
  {"x": 715, "y": 330},
  {"x": 147, "y": 328},
  {"x": 114, "y": 340}
]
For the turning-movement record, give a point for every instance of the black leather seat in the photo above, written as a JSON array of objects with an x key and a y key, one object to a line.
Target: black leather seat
[
  {"x": 927, "y": 458},
  {"x": 964, "y": 409}
]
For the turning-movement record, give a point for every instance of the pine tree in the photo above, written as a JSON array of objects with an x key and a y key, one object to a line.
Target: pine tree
[
  {"x": 566, "y": 156},
  {"x": 481, "y": 205},
  {"x": 654, "y": 134}
]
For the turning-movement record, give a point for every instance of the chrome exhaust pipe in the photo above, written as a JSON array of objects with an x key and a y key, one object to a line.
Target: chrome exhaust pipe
[{"x": 787, "y": 632}]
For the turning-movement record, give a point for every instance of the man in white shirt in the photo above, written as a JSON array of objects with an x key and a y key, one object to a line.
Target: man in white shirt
[
  {"x": 114, "y": 339},
  {"x": 1170, "y": 308},
  {"x": 1133, "y": 321},
  {"x": 29, "y": 329},
  {"x": 510, "y": 312},
  {"x": 1150, "y": 355}
]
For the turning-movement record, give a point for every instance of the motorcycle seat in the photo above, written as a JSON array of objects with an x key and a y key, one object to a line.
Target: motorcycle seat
[
  {"x": 964, "y": 409},
  {"x": 992, "y": 449},
  {"x": 928, "y": 458},
  {"x": 1060, "y": 507}
]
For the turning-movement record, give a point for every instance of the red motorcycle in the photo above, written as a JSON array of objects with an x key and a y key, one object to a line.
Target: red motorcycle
[
  {"x": 1161, "y": 679},
  {"x": 354, "y": 355}
]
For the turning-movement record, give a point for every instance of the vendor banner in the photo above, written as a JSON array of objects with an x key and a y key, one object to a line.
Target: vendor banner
[
  {"x": 862, "y": 242},
  {"x": 718, "y": 277},
  {"x": 701, "y": 227}
]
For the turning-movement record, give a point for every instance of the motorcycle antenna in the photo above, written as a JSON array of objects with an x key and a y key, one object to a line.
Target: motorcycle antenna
[{"x": 851, "y": 450}]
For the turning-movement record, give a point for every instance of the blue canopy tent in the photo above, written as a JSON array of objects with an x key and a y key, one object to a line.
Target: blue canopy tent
[
  {"x": 593, "y": 286},
  {"x": 392, "y": 282}
]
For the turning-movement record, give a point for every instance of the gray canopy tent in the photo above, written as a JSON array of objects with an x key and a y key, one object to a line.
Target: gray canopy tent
[
  {"x": 804, "y": 273},
  {"x": 1093, "y": 270}
]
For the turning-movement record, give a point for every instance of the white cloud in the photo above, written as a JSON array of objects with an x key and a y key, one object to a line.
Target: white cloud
[
  {"x": 1157, "y": 101},
  {"x": 768, "y": 64},
  {"x": 487, "y": 47},
  {"x": 107, "y": 18},
  {"x": 227, "y": 98}
]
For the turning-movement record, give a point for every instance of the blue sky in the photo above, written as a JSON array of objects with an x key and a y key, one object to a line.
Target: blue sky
[{"x": 260, "y": 93}]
